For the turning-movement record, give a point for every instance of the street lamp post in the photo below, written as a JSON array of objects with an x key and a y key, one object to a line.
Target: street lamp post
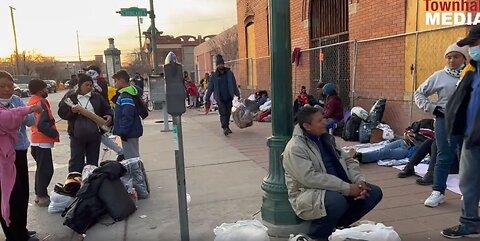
[
  {"x": 15, "y": 38},
  {"x": 276, "y": 209},
  {"x": 153, "y": 40}
]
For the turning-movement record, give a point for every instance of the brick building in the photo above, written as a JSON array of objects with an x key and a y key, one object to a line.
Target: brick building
[
  {"x": 183, "y": 47},
  {"x": 387, "y": 62}
]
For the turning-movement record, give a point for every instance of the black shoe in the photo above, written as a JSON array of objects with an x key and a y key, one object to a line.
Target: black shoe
[
  {"x": 407, "y": 171},
  {"x": 229, "y": 131},
  {"x": 459, "y": 232},
  {"x": 31, "y": 233},
  {"x": 225, "y": 131},
  {"x": 425, "y": 180},
  {"x": 120, "y": 158}
]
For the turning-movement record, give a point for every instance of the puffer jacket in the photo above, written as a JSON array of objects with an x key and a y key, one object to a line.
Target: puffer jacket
[
  {"x": 457, "y": 106},
  {"x": 127, "y": 122},
  {"x": 307, "y": 179}
]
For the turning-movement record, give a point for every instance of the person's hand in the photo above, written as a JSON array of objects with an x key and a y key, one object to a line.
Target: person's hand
[
  {"x": 365, "y": 190},
  {"x": 36, "y": 109},
  {"x": 109, "y": 120},
  {"x": 355, "y": 190},
  {"x": 123, "y": 138},
  {"x": 76, "y": 109}
]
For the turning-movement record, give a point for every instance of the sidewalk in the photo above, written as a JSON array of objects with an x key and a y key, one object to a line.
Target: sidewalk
[{"x": 223, "y": 177}]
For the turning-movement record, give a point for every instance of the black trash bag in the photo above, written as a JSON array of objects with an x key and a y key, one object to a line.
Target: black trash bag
[
  {"x": 376, "y": 113},
  {"x": 352, "y": 128}
]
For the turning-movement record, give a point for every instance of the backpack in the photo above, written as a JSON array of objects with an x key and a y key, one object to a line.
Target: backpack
[
  {"x": 140, "y": 105},
  {"x": 352, "y": 128}
]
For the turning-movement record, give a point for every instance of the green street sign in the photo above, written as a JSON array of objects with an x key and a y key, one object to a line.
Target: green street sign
[{"x": 133, "y": 12}]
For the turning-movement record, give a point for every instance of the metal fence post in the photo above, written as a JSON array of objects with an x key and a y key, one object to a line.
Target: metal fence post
[
  {"x": 354, "y": 70},
  {"x": 414, "y": 79}
]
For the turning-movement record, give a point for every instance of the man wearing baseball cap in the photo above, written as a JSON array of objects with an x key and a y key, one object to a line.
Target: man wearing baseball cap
[{"x": 463, "y": 119}]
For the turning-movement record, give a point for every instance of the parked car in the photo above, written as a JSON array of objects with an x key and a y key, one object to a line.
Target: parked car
[
  {"x": 16, "y": 90},
  {"x": 25, "y": 92},
  {"x": 51, "y": 86}
]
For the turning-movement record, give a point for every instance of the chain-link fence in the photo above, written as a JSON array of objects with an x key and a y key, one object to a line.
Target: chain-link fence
[
  {"x": 328, "y": 63},
  {"x": 363, "y": 71}
]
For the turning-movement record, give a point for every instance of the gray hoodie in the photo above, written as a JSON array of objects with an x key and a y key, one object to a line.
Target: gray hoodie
[{"x": 439, "y": 83}]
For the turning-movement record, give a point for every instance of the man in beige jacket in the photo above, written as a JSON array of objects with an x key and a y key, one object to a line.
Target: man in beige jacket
[{"x": 324, "y": 183}]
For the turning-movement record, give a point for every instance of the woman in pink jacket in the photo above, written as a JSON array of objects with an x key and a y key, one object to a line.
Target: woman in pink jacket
[{"x": 14, "y": 211}]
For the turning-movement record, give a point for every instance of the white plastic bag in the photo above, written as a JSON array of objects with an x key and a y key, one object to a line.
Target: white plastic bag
[
  {"x": 58, "y": 202},
  {"x": 246, "y": 230},
  {"x": 87, "y": 171},
  {"x": 366, "y": 231},
  {"x": 387, "y": 131}
]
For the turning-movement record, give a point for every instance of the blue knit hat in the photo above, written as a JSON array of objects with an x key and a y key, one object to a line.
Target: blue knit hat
[{"x": 328, "y": 89}]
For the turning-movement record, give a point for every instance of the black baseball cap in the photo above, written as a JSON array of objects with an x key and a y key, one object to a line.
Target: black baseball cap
[{"x": 471, "y": 38}]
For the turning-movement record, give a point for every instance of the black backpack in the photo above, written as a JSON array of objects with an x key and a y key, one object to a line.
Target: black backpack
[
  {"x": 141, "y": 106},
  {"x": 351, "y": 129}
]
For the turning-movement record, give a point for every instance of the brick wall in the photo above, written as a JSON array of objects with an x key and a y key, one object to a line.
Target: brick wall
[
  {"x": 299, "y": 22},
  {"x": 380, "y": 70},
  {"x": 257, "y": 10}
]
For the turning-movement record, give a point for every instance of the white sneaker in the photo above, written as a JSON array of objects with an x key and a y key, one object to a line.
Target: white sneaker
[{"x": 435, "y": 199}]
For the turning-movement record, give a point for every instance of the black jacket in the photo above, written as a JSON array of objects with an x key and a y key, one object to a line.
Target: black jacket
[
  {"x": 100, "y": 105},
  {"x": 456, "y": 109},
  {"x": 88, "y": 207}
]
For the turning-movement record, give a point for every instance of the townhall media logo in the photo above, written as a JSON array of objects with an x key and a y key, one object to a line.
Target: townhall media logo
[{"x": 454, "y": 12}]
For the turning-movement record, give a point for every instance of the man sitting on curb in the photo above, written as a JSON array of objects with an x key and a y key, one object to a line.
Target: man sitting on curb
[{"x": 324, "y": 183}]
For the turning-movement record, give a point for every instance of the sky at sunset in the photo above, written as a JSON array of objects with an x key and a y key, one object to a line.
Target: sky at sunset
[{"x": 50, "y": 26}]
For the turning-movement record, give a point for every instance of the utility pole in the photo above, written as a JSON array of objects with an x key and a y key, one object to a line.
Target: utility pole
[
  {"x": 153, "y": 40},
  {"x": 78, "y": 47},
  {"x": 15, "y": 38},
  {"x": 140, "y": 40}
]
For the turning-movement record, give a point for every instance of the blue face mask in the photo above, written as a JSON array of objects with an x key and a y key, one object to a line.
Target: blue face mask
[
  {"x": 461, "y": 67},
  {"x": 475, "y": 52}
]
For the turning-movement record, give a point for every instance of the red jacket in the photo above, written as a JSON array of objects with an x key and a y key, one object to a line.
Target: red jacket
[
  {"x": 333, "y": 108},
  {"x": 192, "y": 90}
]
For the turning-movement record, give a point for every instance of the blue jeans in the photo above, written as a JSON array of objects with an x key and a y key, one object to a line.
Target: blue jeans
[
  {"x": 446, "y": 154},
  {"x": 470, "y": 187},
  {"x": 343, "y": 211},
  {"x": 393, "y": 150}
]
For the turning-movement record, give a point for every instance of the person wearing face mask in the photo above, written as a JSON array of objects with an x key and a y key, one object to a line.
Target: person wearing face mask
[
  {"x": 224, "y": 86},
  {"x": 85, "y": 135},
  {"x": 14, "y": 117},
  {"x": 443, "y": 84},
  {"x": 43, "y": 135},
  {"x": 463, "y": 119}
]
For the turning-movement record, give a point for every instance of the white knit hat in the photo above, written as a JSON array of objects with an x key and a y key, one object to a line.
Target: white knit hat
[{"x": 455, "y": 48}]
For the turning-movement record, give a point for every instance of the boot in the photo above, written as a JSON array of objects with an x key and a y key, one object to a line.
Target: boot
[
  {"x": 426, "y": 180},
  {"x": 407, "y": 171},
  {"x": 225, "y": 131},
  {"x": 229, "y": 131}
]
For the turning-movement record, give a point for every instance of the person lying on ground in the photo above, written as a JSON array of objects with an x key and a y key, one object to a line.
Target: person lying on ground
[{"x": 325, "y": 185}]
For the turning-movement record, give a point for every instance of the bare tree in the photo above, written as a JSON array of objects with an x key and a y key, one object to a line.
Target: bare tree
[
  {"x": 134, "y": 64},
  {"x": 225, "y": 43}
]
